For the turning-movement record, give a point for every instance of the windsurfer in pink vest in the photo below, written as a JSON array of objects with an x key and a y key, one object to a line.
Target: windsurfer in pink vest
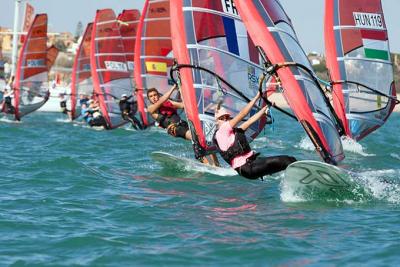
[
  {"x": 234, "y": 148},
  {"x": 164, "y": 111}
]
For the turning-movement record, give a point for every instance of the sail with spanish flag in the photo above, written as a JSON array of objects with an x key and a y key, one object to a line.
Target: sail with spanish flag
[
  {"x": 109, "y": 67},
  {"x": 153, "y": 52},
  {"x": 218, "y": 65},
  {"x": 358, "y": 58}
]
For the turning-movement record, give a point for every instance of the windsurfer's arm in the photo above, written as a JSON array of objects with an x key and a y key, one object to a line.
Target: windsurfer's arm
[
  {"x": 253, "y": 118},
  {"x": 243, "y": 113},
  {"x": 154, "y": 107},
  {"x": 177, "y": 104}
]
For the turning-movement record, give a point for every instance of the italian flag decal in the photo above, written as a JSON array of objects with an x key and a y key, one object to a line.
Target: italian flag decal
[
  {"x": 375, "y": 44},
  {"x": 373, "y": 34}
]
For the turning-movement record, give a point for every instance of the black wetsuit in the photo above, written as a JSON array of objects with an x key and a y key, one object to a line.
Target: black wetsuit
[
  {"x": 63, "y": 106},
  {"x": 170, "y": 120},
  {"x": 128, "y": 112},
  {"x": 255, "y": 166},
  {"x": 8, "y": 107}
]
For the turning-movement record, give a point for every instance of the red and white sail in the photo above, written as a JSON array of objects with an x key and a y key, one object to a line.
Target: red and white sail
[
  {"x": 358, "y": 58},
  {"x": 31, "y": 90},
  {"x": 209, "y": 36},
  {"x": 109, "y": 66},
  {"x": 153, "y": 52},
  {"x": 82, "y": 83},
  {"x": 271, "y": 29}
]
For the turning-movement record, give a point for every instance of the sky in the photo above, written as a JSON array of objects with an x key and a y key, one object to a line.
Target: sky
[{"x": 65, "y": 14}]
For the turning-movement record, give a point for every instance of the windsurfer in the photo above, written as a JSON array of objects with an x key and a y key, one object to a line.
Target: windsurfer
[
  {"x": 234, "y": 148},
  {"x": 92, "y": 115},
  {"x": 7, "y": 102},
  {"x": 128, "y": 107},
  {"x": 63, "y": 106},
  {"x": 164, "y": 111}
]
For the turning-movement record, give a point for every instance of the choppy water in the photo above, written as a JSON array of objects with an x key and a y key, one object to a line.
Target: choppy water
[{"x": 71, "y": 195}]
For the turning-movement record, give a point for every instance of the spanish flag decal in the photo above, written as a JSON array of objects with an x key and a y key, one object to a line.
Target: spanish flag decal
[{"x": 153, "y": 67}]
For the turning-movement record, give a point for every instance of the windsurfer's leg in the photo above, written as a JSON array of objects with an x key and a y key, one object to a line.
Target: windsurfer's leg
[{"x": 265, "y": 166}]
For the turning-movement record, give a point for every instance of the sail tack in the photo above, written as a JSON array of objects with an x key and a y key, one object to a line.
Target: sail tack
[{"x": 358, "y": 58}]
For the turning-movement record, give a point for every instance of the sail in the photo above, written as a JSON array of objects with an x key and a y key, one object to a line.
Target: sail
[
  {"x": 129, "y": 22},
  {"x": 358, "y": 58},
  {"x": 31, "y": 90},
  {"x": 81, "y": 80},
  {"x": 110, "y": 73},
  {"x": 212, "y": 38},
  {"x": 271, "y": 29},
  {"x": 153, "y": 52},
  {"x": 52, "y": 53}
]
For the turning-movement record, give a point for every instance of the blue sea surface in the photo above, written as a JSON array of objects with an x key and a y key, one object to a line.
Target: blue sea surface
[{"x": 72, "y": 195}]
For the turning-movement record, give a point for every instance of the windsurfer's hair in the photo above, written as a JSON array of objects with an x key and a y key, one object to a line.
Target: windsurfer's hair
[{"x": 151, "y": 90}]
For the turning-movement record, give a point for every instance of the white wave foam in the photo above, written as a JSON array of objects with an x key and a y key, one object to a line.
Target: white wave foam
[
  {"x": 349, "y": 145},
  {"x": 63, "y": 120},
  {"x": 306, "y": 144},
  {"x": 394, "y": 155},
  {"x": 6, "y": 120},
  {"x": 353, "y": 146}
]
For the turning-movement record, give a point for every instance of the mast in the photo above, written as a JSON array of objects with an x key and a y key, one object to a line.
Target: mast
[{"x": 15, "y": 37}]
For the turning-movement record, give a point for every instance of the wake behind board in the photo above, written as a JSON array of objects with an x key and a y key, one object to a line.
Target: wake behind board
[
  {"x": 180, "y": 163},
  {"x": 313, "y": 179}
]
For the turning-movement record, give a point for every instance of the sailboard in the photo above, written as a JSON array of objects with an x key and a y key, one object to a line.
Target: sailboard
[
  {"x": 271, "y": 30},
  {"x": 153, "y": 53},
  {"x": 109, "y": 67},
  {"x": 217, "y": 63},
  {"x": 358, "y": 58},
  {"x": 81, "y": 80},
  {"x": 313, "y": 178},
  {"x": 170, "y": 161},
  {"x": 31, "y": 90}
]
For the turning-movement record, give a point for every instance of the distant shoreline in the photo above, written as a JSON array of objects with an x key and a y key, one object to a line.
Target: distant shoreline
[{"x": 280, "y": 101}]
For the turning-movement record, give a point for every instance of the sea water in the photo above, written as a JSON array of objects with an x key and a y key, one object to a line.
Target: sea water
[{"x": 72, "y": 195}]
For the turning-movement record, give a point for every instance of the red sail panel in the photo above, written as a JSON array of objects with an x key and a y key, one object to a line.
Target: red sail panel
[
  {"x": 31, "y": 89},
  {"x": 81, "y": 80},
  {"x": 153, "y": 52},
  {"x": 110, "y": 73},
  {"x": 52, "y": 53},
  {"x": 129, "y": 22},
  {"x": 357, "y": 51},
  {"x": 271, "y": 29}
]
